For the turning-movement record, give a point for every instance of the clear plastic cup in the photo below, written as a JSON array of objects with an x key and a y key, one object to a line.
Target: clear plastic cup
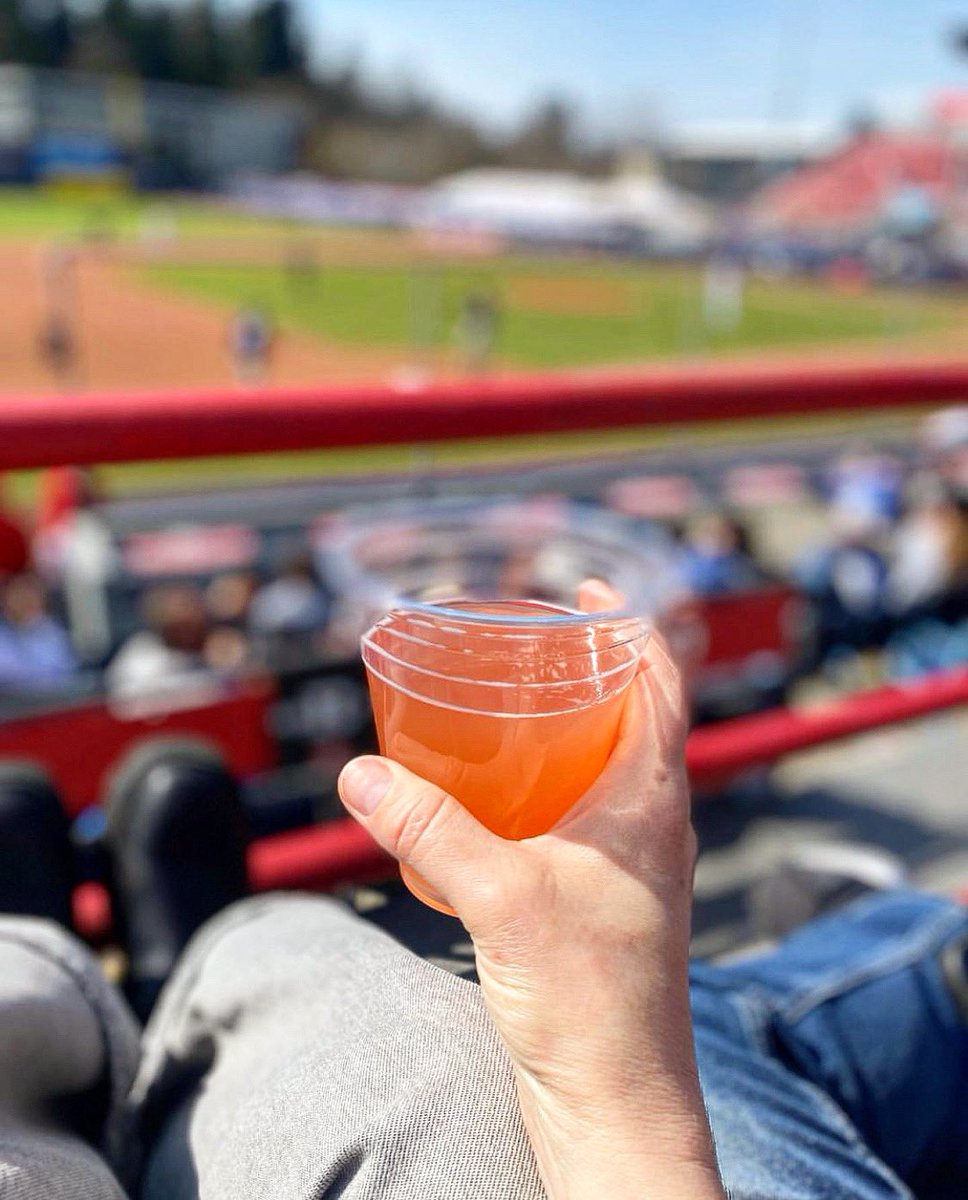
[{"x": 508, "y": 700}]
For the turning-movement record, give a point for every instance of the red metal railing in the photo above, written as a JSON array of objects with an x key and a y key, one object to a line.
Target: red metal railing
[
  {"x": 39, "y": 431},
  {"x": 43, "y": 431},
  {"x": 717, "y": 753},
  {"x": 324, "y": 856}
]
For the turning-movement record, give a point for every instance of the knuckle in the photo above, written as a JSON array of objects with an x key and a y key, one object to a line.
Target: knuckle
[
  {"x": 522, "y": 892},
  {"x": 417, "y": 822}
]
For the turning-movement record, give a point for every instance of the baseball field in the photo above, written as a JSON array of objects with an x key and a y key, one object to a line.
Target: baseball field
[
  {"x": 158, "y": 282},
  {"x": 155, "y": 283}
]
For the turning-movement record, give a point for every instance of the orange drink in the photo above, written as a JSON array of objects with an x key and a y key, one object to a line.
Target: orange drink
[{"x": 511, "y": 706}]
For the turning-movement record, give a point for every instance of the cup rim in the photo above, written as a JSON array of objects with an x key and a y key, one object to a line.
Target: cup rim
[
  {"x": 490, "y": 712},
  {"x": 631, "y": 664},
  {"x": 555, "y": 616},
  {"x": 625, "y": 629}
]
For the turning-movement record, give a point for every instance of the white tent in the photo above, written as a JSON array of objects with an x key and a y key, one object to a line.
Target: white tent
[
  {"x": 675, "y": 218},
  {"x": 558, "y": 206}
]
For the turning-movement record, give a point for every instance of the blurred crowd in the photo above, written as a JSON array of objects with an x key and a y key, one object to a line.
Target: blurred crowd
[
  {"x": 235, "y": 623},
  {"x": 187, "y": 631},
  {"x": 890, "y": 575},
  {"x": 56, "y": 624},
  {"x": 894, "y": 570}
]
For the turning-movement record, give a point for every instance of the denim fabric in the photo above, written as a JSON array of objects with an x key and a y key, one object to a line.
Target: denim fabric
[{"x": 837, "y": 1065}]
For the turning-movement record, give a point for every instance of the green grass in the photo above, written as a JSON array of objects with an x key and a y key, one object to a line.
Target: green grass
[
  {"x": 33, "y": 212},
  {"x": 659, "y": 318}
]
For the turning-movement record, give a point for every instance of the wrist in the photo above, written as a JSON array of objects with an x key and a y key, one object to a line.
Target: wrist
[{"x": 655, "y": 1145}]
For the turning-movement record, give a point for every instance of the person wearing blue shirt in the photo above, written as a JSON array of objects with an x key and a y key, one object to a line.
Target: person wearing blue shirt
[
  {"x": 35, "y": 650},
  {"x": 715, "y": 557}
]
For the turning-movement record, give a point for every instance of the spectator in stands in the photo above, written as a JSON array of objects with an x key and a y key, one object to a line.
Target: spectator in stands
[
  {"x": 289, "y": 615},
  {"x": 847, "y": 579},
  {"x": 944, "y": 443},
  {"x": 930, "y": 557},
  {"x": 35, "y": 651},
  {"x": 227, "y": 650},
  {"x": 716, "y": 556},
  {"x": 229, "y": 597},
  {"x": 74, "y": 548},
  {"x": 169, "y": 654},
  {"x": 864, "y": 488},
  {"x": 928, "y": 583}
]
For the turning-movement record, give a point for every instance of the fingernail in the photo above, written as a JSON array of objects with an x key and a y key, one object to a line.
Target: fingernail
[{"x": 363, "y": 783}]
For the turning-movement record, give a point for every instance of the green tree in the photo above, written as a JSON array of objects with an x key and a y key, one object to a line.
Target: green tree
[
  {"x": 59, "y": 36},
  {"x": 545, "y": 140},
  {"x": 12, "y": 31},
  {"x": 152, "y": 42},
  {"x": 201, "y": 52},
  {"x": 276, "y": 45},
  {"x": 25, "y": 28},
  {"x": 118, "y": 17}
]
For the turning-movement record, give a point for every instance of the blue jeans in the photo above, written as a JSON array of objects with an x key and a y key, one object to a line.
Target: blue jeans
[{"x": 836, "y": 1065}]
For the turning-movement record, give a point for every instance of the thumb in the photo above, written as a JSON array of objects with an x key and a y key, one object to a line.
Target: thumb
[{"x": 422, "y": 826}]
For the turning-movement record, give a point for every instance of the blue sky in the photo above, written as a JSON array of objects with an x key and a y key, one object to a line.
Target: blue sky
[{"x": 620, "y": 59}]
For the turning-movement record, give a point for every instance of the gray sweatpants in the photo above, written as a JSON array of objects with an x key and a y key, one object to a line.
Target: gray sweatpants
[{"x": 297, "y": 1053}]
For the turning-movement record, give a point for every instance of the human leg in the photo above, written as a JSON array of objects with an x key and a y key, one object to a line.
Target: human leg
[
  {"x": 335, "y": 1062},
  {"x": 68, "y": 1045},
  {"x": 68, "y": 1049},
  {"x": 297, "y": 1051},
  {"x": 296, "y": 1048},
  {"x": 834, "y": 1065}
]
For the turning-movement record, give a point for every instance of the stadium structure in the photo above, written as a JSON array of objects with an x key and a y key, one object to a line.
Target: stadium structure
[{"x": 58, "y": 126}]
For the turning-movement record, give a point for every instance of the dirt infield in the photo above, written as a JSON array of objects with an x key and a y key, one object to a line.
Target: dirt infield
[
  {"x": 551, "y": 294},
  {"x": 132, "y": 332},
  {"x": 130, "y": 335}
]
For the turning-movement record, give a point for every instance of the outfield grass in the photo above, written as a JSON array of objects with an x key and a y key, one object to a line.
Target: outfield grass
[
  {"x": 651, "y": 311},
  {"x": 34, "y": 212},
  {"x": 654, "y": 310}
]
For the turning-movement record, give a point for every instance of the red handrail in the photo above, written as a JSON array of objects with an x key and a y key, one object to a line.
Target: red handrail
[
  {"x": 41, "y": 431},
  {"x": 324, "y": 856},
  {"x": 717, "y": 753}
]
